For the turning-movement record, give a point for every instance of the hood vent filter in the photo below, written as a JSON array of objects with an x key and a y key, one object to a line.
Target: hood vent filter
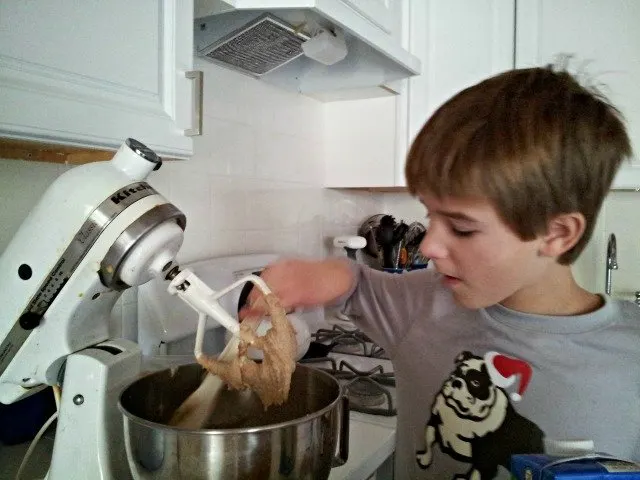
[{"x": 258, "y": 47}]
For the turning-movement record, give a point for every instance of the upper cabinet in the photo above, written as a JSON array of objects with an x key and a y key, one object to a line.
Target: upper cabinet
[
  {"x": 383, "y": 13},
  {"x": 602, "y": 41},
  {"x": 459, "y": 42},
  {"x": 95, "y": 73},
  {"x": 360, "y": 143}
]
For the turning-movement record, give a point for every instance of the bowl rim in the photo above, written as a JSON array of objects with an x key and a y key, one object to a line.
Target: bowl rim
[{"x": 233, "y": 431}]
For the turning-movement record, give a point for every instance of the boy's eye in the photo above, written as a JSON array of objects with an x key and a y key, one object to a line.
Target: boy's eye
[{"x": 462, "y": 233}]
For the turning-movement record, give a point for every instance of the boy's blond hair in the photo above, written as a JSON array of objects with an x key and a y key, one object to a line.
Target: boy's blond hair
[{"x": 533, "y": 141}]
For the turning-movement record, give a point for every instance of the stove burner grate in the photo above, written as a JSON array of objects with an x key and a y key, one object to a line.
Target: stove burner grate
[
  {"x": 364, "y": 392},
  {"x": 368, "y": 391},
  {"x": 351, "y": 341}
]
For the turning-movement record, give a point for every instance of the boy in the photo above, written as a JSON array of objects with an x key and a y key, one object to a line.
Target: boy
[{"x": 498, "y": 350}]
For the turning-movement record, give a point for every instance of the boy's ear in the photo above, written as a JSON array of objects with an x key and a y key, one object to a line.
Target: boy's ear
[{"x": 563, "y": 232}]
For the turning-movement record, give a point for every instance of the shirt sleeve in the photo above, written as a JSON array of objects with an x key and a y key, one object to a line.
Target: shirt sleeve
[{"x": 386, "y": 304}]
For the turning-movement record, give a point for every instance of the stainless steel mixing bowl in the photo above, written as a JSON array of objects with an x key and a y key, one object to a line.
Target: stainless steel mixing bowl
[{"x": 301, "y": 439}]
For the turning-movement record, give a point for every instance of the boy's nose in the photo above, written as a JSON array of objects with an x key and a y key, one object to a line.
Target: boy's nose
[{"x": 431, "y": 247}]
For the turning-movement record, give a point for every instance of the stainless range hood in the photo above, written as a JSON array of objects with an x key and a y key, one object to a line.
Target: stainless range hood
[{"x": 264, "y": 39}]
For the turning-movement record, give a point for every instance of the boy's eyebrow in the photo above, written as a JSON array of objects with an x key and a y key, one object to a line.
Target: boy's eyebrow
[{"x": 457, "y": 215}]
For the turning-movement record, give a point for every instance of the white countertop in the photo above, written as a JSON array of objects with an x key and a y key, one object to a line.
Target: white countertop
[
  {"x": 11, "y": 456},
  {"x": 372, "y": 438},
  {"x": 371, "y": 441}
]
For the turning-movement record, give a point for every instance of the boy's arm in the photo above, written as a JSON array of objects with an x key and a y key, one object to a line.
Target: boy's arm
[
  {"x": 386, "y": 305},
  {"x": 304, "y": 283}
]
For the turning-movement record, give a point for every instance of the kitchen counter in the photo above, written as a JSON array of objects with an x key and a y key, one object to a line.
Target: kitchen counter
[
  {"x": 372, "y": 438},
  {"x": 11, "y": 456},
  {"x": 371, "y": 441}
]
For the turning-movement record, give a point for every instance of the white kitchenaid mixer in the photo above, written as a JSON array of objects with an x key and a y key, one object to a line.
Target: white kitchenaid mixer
[{"x": 97, "y": 230}]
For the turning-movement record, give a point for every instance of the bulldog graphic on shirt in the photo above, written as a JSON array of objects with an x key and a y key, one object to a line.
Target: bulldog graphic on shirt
[{"x": 472, "y": 418}]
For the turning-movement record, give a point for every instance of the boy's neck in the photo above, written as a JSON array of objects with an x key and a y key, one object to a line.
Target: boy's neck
[{"x": 558, "y": 294}]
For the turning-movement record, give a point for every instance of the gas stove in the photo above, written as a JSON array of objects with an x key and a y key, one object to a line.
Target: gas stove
[
  {"x": 359, "y": 364},
  {"x": 367, "y": 376}
]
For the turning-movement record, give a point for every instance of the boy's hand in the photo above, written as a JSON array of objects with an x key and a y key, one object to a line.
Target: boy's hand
[{"x": 302, "y": 283}]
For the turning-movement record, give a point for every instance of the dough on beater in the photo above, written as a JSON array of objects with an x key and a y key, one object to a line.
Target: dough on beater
[{"x": 271, "y": 378}]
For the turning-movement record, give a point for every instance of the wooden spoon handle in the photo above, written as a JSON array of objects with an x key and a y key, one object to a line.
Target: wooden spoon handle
[{"x": 196, "y": 409}]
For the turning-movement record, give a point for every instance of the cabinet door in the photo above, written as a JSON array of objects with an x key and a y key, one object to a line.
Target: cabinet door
[
  {"x": 359, "y": 140},
  {"x": 360, "y": 136},
  {"x": 459, "y": 42},
  {"x": 93, "y": 73},
  {"x": 382, "y": 13},
  {"x": 603, "y": 38}
]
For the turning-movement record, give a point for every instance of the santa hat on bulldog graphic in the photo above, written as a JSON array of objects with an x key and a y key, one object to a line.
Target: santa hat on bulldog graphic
[{"x": 504, "y": 370}]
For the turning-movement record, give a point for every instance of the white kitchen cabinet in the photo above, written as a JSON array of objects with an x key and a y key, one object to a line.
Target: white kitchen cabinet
[
  {"x": 385, "y": 14},
  {"x": 93, "y": 73},
  {"x": 360, "y": 142},
  {"x": 459, "y": 42},
  {"x": 603, "y": 38}
]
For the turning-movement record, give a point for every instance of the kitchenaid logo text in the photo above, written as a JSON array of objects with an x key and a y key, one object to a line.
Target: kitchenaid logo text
[{"x": 130, "y": 190}]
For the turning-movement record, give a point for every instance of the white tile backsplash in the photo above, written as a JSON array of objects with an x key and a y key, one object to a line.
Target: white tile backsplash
[
  {"x": 228, "y": 242},
  {"x": 405, "y": 207},
  {"x": 21, "y": 185},
  {"x": 284, "y": 241},
  {"x": 226, "y": 147},
  {"x": 349, "y": 209}
]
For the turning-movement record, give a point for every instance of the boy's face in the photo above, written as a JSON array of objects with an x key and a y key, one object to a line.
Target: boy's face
[{"x": 482, "y": 260}]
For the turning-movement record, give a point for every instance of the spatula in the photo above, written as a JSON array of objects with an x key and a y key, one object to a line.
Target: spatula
[{"x": 198, "y": 407}]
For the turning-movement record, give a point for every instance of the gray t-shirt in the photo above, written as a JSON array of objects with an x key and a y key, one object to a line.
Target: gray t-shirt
[{"x": 476, "y": 386}]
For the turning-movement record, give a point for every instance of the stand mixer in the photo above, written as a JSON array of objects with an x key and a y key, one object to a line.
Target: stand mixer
[{"x": 98, "y": 230}]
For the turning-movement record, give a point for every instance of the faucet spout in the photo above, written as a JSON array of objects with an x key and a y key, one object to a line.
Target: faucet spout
[{"x": 612, "y": 262}]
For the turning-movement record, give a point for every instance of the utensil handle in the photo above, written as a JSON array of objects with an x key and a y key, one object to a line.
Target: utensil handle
[
  {"x": 343, "y": 435},
  {"x": 387, "y": 256}
]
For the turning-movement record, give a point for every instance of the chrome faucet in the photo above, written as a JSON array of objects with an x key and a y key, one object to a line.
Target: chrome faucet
[{"x": 612, "y": 262}]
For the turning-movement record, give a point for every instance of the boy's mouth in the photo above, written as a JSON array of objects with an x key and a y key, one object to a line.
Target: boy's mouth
[{"x": 450, "y": 281}]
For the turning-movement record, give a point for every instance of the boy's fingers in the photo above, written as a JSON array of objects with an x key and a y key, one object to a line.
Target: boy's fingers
[
  {"x": 247, "y": 311},
  {"x": 252, "y": 311},
  {"x": 254, "y": 295}
]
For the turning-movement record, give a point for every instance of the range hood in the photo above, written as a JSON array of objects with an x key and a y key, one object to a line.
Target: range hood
[{"x": 265, "y": 39}]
